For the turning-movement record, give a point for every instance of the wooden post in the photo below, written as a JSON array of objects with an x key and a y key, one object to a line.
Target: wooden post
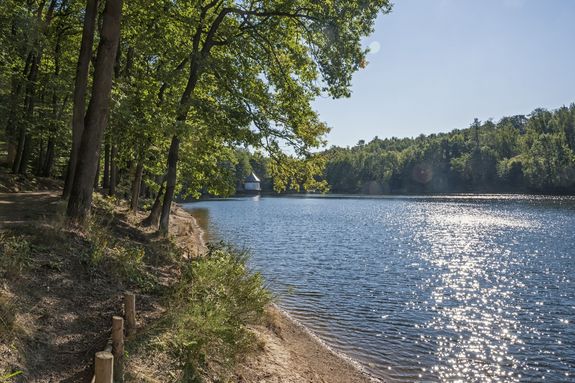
[
  {"x": 130, "y": 313},
  {"x": 104, "y": 369},
  {"x": 118, "y": 348}
]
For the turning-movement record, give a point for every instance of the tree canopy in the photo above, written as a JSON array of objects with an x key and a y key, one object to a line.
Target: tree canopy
[{"x": 192, "y": 81}]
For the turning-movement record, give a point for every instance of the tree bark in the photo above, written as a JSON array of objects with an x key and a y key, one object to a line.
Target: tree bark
[
  {"x": 113, "y": 171},
  {"x": 136, "y": 185},
  {"x": 19, "y": 150},
  {"x": 170, "y": 184},
  {"x": 106, "y": 181},
  {"x": 49, "y": 161},
  {"x": 40, "y": 160},
  {"x": 80, "y": 87},
  {"x": 154, "y": 218},
  {"x": 97, "y": 176},
  {"x": 97, "y": 115},
  {"x": 23, "y": 168}
]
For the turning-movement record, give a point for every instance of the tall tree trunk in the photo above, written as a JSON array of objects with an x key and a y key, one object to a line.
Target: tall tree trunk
[
  {"x": 30, "y": 98},
  {"x": 22, "y": 169},
  {"x": 19, "y": 164},
  {"x": 80, "y": 87},
  {"x": 170, "y": 184},
  {"x": 40, "y": 160},
  {"x": 154, "y": 218},
  {"x": 106, "y": 181},
  {"x": 97, "y": 176},
  {"x": 113, "y": 171},
  {"x": 49, "y": 161},
  {"x": 97, "y": 115},
  {"x": 136, "y": 185},
  {"x": 19, "y": 150},
  {"x": 197, "y": 58},
  {"x": 11, "y": 128},
  {"x": 33, "y": 60}
]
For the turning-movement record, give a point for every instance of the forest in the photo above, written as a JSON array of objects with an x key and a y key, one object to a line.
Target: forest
[
  {"x": 150, "y": 100},
  {"x": 534, "y": 153}
]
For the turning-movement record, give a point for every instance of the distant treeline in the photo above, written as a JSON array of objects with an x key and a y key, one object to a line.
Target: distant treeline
[{"x": 534, "y": 153}]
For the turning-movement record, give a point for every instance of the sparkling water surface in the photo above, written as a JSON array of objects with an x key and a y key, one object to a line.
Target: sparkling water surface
[{"x": 430, "y": 289}]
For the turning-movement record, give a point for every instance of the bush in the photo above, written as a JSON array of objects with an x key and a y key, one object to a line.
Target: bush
[
  {"x": 128, "y": 263},
  {"x": 215, "y": 299}
]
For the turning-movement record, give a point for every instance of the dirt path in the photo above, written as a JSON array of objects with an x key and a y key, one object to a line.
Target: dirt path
[
  {"x": 27, "y": 208},
  {"x": 60, "y": 307},
  {"x": 60, "y": 320}
]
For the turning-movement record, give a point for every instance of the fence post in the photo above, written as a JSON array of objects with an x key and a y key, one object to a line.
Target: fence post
[
  {"x": 130, "y": 313},
  {"x": 118, "y": 348},
  {"x": 104, "y": 369}
]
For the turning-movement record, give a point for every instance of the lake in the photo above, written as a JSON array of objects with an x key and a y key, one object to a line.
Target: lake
[{"x": 452, "y": 288}]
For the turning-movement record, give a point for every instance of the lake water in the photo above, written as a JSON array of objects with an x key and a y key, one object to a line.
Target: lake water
[{"x": 462, "y": 288}]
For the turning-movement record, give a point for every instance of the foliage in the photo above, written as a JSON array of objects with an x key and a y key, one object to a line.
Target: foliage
[
  {"x": 215, "y": 299},
  {"x": 218, "y": 74},
  {"x": 534, "y": 153}
]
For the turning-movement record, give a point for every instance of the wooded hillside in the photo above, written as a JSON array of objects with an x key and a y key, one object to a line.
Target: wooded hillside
[{"x": 534, "y": 153}]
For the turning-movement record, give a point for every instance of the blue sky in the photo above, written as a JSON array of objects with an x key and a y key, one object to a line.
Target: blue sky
[{"x": 441, "y": 63}]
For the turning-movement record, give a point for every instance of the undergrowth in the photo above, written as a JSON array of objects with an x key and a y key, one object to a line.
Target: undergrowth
[
  {"x": 7, "y": 318},
  {"x": 210, "y": 303},
  {"x": 15, "y": 254},
  {"x": 205, "y": 330},
  {"x": 106, "y": 251}
]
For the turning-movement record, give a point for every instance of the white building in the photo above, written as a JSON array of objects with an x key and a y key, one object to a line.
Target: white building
[{"x": 252, "y": 183}]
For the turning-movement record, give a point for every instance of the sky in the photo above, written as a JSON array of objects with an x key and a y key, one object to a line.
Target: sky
[{"x": 436, "y": 65}]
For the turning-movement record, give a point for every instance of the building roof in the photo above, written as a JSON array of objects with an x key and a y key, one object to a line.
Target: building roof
[{"x": 252, "y": 178}]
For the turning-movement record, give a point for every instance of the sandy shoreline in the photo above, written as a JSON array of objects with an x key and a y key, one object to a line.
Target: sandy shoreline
[{"x": 289, "y": 352}]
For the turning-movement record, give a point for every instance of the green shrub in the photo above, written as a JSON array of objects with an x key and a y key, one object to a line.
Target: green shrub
[
  {"x": 128, "y": 263},
  {"x": 99, "y": 241},
  {"x": 15, "y": 254},
  {"x": 216, "y": 297}
]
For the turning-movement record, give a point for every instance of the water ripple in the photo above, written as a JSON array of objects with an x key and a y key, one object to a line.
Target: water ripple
[{"x": 464, "y": 288}]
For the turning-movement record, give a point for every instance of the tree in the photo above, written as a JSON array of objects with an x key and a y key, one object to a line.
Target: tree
[
  {"x": 96, "y": 118},
  {"x": 80, "y": 87},
  {"x": 310, "y": 39}
]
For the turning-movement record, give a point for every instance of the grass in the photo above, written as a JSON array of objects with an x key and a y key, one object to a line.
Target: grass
[
  {"x": 7, "y": 318},
  {"x": 209, "y": 301},
  {"x": 205, "y": 330},
  {"x": 106, "y": 252},
  {"x": 15, "y": 254}
]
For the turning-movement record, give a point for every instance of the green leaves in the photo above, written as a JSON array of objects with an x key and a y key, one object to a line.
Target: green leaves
[{"x": 519, "y": 153}]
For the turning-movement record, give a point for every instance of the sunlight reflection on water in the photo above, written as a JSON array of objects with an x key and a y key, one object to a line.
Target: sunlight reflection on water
[{"x": 422, "y": 289}]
